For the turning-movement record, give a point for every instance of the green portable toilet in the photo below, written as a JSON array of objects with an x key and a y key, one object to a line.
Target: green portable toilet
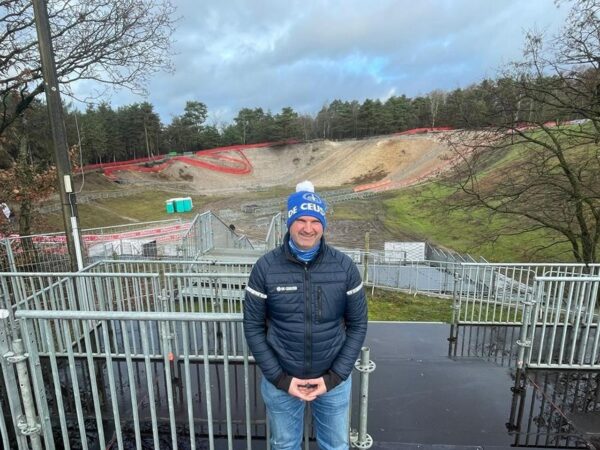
[
  {"x": 187, "y": 203},
  {"x": 179, "y": 205},
  {"x": 170, "y": 206}
]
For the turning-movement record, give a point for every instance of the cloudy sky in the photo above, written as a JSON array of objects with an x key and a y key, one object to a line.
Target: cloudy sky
[{"x": 232, "y": 54}]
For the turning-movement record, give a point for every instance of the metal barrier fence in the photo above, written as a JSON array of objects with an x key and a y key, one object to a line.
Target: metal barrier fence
[
  {"x": 494, "y": 293},
  {"x": 428, "y": 277},
  {"x": 160, "y": 239},
  {"x": 198, "y": 239},
  {"x": 135, "y": 378},
  {"x": 208, "y": 232},
  {"x": 561, "y": 325},
  {"x": 169, "y": 266},
  {"x": 48, "y": 252},
  {"x": 89, "y": 327},
  {"x": 540, "y": 322},
  {"x": 106, "y": 391},
  {"x": 276, "y": 232}
]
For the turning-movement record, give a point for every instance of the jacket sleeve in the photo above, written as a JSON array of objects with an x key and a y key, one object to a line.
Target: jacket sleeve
[
  {"x": 356, "y": 318},
  {"x": 255, "y": 325}
]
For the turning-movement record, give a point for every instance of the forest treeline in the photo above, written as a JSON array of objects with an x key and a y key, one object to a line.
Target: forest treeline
[{"x": 135, "y": 130}]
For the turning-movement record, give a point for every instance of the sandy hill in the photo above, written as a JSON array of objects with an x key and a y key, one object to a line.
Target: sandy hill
[{"x": 400, "y": 159}]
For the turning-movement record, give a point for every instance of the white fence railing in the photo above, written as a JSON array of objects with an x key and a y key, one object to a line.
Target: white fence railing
[{"x": 561, "y": 324}]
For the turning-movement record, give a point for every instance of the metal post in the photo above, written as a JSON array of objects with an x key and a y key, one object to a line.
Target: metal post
[
  {"x": 362, "y": 439},
  {"x": 453, "y": 339},
  {"x": 517, "y": 402},
  {"x": 29, "y": 426},
  {"x": 366, "y": 259},
  {"x": 12, "y": 266},
  {"x": 59, "y": 134},
  {"x": 10, "y": 379},
  {"x": 306, "y": 421},
  {"x": 524, "y": 342}
]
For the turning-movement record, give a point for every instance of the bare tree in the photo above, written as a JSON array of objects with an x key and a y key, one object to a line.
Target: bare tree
[
  {"x": 113, "y": 42},
  {"x": 548, "y": 177},
  {"x": 436, "y": 98}
]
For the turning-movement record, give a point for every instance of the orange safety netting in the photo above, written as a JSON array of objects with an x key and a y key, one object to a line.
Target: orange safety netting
[
  {"x": 216, "y": 159},
  {"x": 423, "y": 130}
]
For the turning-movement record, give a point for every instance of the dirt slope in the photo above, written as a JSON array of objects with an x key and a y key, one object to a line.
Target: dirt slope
[{"x": 400, "y": 159}]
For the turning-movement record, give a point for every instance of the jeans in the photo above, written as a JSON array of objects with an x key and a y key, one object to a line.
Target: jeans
[{"x": 286, "y": 416}]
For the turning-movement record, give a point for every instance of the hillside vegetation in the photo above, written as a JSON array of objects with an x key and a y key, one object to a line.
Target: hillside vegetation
[{"x": 414, "y": 213}]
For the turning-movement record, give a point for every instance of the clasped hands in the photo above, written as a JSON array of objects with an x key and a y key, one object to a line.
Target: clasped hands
[{"x": 307, "y": 390}]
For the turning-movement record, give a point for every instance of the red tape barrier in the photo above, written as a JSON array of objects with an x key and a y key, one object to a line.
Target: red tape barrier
[
  {"x": 241, "y": 164},
  {"x": 423, "y": 130}
]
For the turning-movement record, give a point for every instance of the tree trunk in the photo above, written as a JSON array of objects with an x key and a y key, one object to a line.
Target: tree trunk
[
  {"x": 25, "y": 217},
  {"x": 29, "y": 251}
]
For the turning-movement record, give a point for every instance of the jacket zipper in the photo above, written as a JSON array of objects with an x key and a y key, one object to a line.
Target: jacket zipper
[{"x": 307, "y": 322}]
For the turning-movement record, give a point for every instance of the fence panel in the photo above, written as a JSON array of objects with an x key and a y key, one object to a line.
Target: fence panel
[
  {"x": 276, "y": 232},
  {"x": 160, "y": 267},
  {"x": 109, "y": 392},
  {"x": 413, "y": 276},
  {"x": 104, "y": 391},
  {"x": 39, "y": 253},
  {"x": 563, "y": 329},
  {"x": 494, "y": 293}
]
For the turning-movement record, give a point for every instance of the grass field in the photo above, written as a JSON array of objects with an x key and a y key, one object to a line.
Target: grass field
[
  {"x": 400, "y": 306},
  {"x": 419, "y": 210},
  {"x": 415, "y": 214}
]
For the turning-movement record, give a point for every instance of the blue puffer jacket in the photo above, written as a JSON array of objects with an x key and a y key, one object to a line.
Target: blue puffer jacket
[{"x": 305, "y": 320}]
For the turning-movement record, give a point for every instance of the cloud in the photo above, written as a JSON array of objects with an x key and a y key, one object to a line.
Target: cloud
[{"x": 231, "y": 54}]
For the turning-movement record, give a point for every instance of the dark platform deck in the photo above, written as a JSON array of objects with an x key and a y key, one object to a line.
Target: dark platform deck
[{"x": 418, "y": 395}]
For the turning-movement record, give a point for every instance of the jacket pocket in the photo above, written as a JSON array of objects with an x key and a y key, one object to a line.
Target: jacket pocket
[{"x": 319, "y": 303}]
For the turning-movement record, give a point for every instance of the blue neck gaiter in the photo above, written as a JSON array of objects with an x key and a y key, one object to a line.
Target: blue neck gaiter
[{"x": 304, "y": 255}]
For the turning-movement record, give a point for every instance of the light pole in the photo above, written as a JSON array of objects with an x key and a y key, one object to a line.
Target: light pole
[{"x": 59, "y": 135}]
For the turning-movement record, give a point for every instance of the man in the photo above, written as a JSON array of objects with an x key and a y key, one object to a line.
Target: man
[{"x": 305, "y": 320}]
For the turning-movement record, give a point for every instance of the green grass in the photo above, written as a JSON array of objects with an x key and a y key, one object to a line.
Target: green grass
[
  {"x": 409, "y": 214},
  {"x": 400, "y": 306},
  {"x": 387, "y": 305},
  {"x": 143, "y": 207},
  {"x": 419, "y": 211}
]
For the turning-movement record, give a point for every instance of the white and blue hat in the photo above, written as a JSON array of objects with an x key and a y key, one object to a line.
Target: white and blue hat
[{"x": 305, "y": 202}]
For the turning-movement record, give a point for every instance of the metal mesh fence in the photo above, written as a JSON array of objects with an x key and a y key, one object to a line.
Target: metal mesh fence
[{"x": 149, "y": 240}]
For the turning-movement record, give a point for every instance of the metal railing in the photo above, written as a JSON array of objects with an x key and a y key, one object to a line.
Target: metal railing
[
  {"x": 83, "y": 329},
  {"x": 170, "y": 266},
  {"x": 126, "y": 378},
  {"x": 208, "y": 232},
  {"x": 108, "y": 394},
  {"x": 490, "y": 306},
  {"x": 276, "y": 232},
  {"x": 427, "y": 277},
  {"x": 561, "y": 324},
  {"x": 494, "y": 293}
]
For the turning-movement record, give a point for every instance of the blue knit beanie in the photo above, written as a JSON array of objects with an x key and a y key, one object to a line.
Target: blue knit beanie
[{"x": 304, "y": 202}]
